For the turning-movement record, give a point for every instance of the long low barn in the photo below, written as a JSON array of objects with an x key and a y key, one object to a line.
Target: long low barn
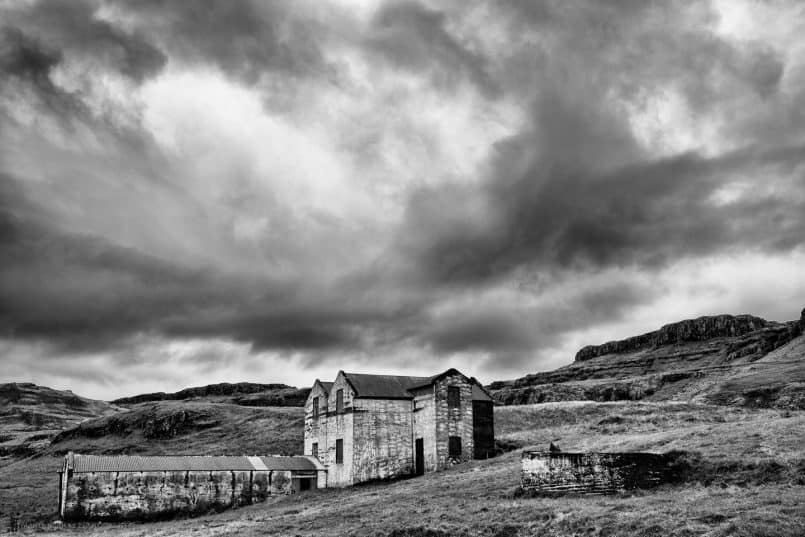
[{"x": 137, "y": 488}]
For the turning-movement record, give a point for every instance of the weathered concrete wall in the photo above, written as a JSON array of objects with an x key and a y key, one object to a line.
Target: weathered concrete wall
[
  {"x": 600, "y": 473},
  {"x": 453, "y": 421},
  {"x": 382, "y": 447},
  {"x": 339, "y": 426},
  {"x": 316, "y": 429},
  {"x": 146, "y": 495},
  {"x": 424, "y": 424}
]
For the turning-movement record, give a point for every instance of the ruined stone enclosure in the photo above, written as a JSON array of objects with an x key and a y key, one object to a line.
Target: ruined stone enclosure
[
  {"x": 371, "y": 427},
  {"x": 142, "y": 488},
  {"x": 550, "y": 472}
]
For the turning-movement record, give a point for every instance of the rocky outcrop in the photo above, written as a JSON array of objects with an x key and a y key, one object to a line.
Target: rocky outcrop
[
  {"x": 241, "y": 393},
  {"x": 701, "y": 329},
  {"x": 693, "y": 359},
  {"x": 153, "y": 422}
]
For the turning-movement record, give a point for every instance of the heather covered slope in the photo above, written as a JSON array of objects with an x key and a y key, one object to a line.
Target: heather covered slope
[
  {"x": 31, "y": 415},
  {"x": 188, "y": 428},
  {"x": 724, "y": 359}
]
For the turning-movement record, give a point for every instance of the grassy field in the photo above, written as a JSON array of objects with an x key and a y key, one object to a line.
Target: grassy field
[{"x": 749, "y": 481}]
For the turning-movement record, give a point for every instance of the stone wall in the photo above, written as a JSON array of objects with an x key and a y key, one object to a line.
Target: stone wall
[
  {"x": 147, "y": 495},
  {"x": 596, "y": 473},
  {"x": 316, "y": 429},
  {"x": 382, "y": 447},
  {"x": 424, "y": 425},
  {"x": 453, "y": 421},
  {"x": 338, "y": 426}
]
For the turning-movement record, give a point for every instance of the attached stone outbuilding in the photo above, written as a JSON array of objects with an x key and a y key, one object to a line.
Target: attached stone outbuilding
[{"x": 93, "y": 487}]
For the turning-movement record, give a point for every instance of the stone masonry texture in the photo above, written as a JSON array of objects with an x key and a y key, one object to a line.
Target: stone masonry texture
[{"x": 597, "y": 473}]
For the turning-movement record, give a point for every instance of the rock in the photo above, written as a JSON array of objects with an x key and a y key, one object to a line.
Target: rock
[{"x": 701, "y": 329}]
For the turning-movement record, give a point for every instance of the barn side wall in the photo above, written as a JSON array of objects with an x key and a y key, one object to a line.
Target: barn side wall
[
  {"x": 597, "y": 473},
  {"x": 453, "y": 421},
  {"x": 381, "y": 442},
  {"x": 338, "y": 426},
  {"x": 424, "y": 424},
  {"x": 316, "y": 429},
  {"x": 150, "y": 495}
]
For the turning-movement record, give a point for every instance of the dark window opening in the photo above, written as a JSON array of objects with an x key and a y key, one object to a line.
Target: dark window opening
[
  {"x": 315, "y": 408},
  {"x": 304, "y": 484},
  {"x": 314, "y": 449},
  {"x": 339, "y": 451},
  {"x": 339, "y": 401},
  {"x": 454, "y": 447},
  {"x": 453, "y": 397}
]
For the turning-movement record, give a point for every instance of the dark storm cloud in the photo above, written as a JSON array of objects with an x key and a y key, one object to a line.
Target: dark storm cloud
[
  {"x": 413, "y": 37},
  {"x": 574, "y": 194},
  {"x": 649, "y": 214},
  {"x": 576, "y": 190},
  {"x": 74, "y": 29},
  {"x": 85, "y": 293},
  {"x": 514, "y": 335},
  {"x": 245, "y": 38},
  {"x": 26, "y": 62}
]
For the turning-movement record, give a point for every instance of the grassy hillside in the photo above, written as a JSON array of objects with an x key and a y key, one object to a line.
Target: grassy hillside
[
  {"x": 748, "y": 472},
  {"x": 31, "y": 415}
]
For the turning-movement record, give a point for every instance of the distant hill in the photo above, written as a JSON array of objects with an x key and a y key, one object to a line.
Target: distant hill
[
  {"x": 31, "y": 415},
  {"x": 736, "y": 360},
  {"x": 241, "y": 393},
  {"x": 188, "y": 428}
]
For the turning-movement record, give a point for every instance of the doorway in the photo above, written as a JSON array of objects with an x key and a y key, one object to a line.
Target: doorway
[{"x": 420, "y": 456}]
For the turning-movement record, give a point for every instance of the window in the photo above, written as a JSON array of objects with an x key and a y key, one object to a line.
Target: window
[
  {"x": 314, "y": 449},
  {"x": 339, "y": 451},
  {"x": 453, "y": 397},
  {"x": 454, "y": 447},
  {"x": 315, "y": 408},
  {"x": 339, "y": 401}
]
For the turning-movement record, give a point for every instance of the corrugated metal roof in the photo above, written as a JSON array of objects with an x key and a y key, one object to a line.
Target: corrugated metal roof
[
  {"x": 385, "y": 386},
  {"x": 289, "y": 463},
  {"x": 136, "y": 463}
]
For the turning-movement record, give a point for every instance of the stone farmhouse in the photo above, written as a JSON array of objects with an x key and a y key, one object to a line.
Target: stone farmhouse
[{"x": 369, "y": 427}]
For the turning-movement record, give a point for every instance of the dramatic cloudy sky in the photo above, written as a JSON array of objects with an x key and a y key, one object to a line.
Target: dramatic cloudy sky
[{"x": 273, "y": 190}]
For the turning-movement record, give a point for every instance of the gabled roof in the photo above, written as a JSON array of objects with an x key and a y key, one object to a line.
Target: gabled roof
[
  {"x": 434, "y": 378},
  {"x": 400, "y": 386},
  {"x": 326, "y": 386},
  {"x": 383, "y": 386},
  {"x": 136, "y": 463}
]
